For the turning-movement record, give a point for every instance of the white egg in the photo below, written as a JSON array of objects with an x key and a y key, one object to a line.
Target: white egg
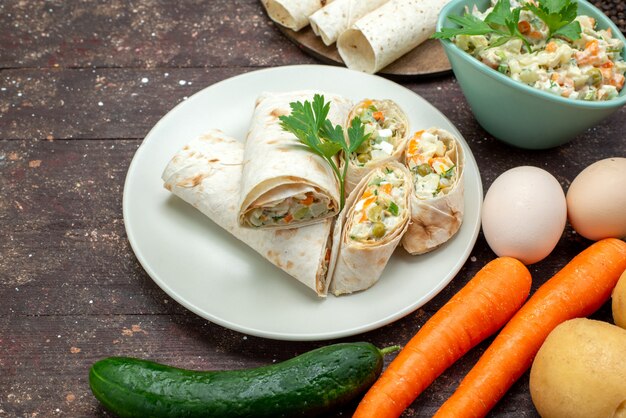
[
  {"x": 596, "y": 200},
  {"x": 524, "y": 214}
]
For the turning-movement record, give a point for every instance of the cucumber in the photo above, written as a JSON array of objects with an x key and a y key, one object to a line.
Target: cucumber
[{"x": 310, "y": 384}]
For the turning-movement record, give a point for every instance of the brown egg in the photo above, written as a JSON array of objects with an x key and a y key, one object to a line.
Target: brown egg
[{"x": 596, "y": 200}]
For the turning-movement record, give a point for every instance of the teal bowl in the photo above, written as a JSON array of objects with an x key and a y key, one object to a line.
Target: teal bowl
[{"x": 514, "y": 112}]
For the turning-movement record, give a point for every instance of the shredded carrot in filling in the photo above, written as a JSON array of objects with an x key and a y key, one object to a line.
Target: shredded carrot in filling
[
  {"x": 379, "y": 209},
  {"x": 434, "y": 173}
]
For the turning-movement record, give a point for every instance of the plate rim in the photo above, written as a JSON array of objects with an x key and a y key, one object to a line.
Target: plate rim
[{"x": 290, "y": 336}]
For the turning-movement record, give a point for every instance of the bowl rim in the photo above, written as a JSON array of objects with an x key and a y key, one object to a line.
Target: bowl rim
[{"x": 524, "y": 88}]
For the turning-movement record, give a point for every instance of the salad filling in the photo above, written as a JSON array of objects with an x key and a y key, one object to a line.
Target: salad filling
[
  {"x": 300, "y": 207},
  {"x": 322, "y": 280},
  {"x": 427, "y": 157},
  {"x": 582, "y": 62},
  {"x": 385, "y": 126},
  {"x": 379, "y": 210}
]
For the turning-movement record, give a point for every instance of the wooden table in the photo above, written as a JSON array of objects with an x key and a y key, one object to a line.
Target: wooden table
[{"x": 81, "y": 83}]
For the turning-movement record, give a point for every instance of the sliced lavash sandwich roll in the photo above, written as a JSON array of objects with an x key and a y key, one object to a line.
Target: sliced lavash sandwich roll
[
  {"x": 387, "y": 33},
  {"x": 333, "y": 19},
  {"x": 375, "y": 218},
  {"x": 206, "y": 173},
  {"x": 293, "y": 14},
  {"x": 436, "y": 161},
  {"x": 284, "y": 185},
  {"x": 388, "y": 129}
]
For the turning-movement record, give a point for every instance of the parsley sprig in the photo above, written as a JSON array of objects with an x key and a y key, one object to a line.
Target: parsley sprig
[
  {"x": 310, "y": 124},
  {"x": 503, "y": 21},
  {"x": 559, "y": 16}
]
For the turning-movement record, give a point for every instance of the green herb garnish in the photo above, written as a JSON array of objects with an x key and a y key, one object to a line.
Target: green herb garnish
[
  {"x": 559, "y": 16},
  {"x": 449, "y": 172},
  {"x": 310, "y": 124},
  {"x": 393, "y": 208},
  {"x": 503, "y": 22}
]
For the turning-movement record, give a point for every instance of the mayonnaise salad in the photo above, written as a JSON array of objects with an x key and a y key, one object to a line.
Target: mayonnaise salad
[
  {"x": 590, "y": 68},
  {"x": 434, "y": 172},
  {"x": 379, "y": 210}
]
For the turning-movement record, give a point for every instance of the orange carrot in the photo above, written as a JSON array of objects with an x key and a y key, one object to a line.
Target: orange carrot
[
  {"x": 577, "y": 290},
  {"x": 308, "y": 199},
  {"x": 617, "y": 81},
  {"x": 288, "y": 218},
  {"x": 477, "y": 311},
  {"x": 378, "y": 116},
  {"x": 524, "y": 27},
  {"x": 593, "y": 47},
  {"x": 386, "y": 188}
]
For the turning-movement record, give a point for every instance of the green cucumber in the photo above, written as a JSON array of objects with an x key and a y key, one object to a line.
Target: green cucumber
[{"x": 310, "y": 384}]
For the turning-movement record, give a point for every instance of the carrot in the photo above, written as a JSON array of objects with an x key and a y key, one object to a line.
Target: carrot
[
  {"x": 308, "y": 199},
  {"x": 523, "y": 26},
  {"x": 577, "y": 290},
  {"x": 378, "y": 116},
  {"x": 478, "y": 310},
  {"x": 386, "y": 188},
  {"x": 617, "y": 81},
  {"x": 288, "y": 218}
]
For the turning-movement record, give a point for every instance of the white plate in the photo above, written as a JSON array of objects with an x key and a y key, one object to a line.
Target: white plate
[{"x": 216, "y": 276}]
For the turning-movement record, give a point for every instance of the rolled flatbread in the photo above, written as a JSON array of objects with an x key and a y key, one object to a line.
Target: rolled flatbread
[
  {"x": 285, "y": 185},
  {"x": 436, "y": 161},
  {"x": 293, "y": 14},
  {"x": 206, "y": 173},
  {"x": 370, "y": 228},
  {"x": 333, "y": 19},
  {"x": 385, "y": 34},
  {"x": 388, "y": 127}
]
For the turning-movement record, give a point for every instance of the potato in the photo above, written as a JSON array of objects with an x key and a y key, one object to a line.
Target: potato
[
  {"x": 619, "y": 302},
  {"x": 580, "y": 371}
]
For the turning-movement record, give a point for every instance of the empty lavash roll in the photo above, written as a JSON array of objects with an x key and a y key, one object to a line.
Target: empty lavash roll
[
  {"x": 333, "y": 19},
  {"x": 436, "y": 161},
  {"x": 293, "y": 14},
  {"x": 388, "y": 126},
  {"x": 385, "y": 34},
  {"x": 370, "y": 227},
  {"x": 284, "y": 184},
  {"x": 206, "y": 173}
]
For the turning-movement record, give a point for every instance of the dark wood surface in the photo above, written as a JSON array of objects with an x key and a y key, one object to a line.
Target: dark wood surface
[{"x": 81, "y": 83}]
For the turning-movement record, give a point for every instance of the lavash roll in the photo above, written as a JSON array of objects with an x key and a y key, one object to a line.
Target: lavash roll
[
  {"x": 292, "y": 14},
  {"x": 435, "y": 220},
  {"x": 279, "y": 171},
  {"x": 206, "y": 173},
  {"x": 387, "y": 33},
  {"x": 333, "y": 19},
  {"x": 360, "y": 264},
  {"x": 357, "y": 171}
]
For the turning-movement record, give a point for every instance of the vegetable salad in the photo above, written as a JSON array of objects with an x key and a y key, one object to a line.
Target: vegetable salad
[
  {"x": 384, "y": 128},
  {"x": 380, "y": 207},
  {"x": 300, "y": 207},
  {"x": 586, "y": 66},
  {"x": 434, "y": 173}
]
